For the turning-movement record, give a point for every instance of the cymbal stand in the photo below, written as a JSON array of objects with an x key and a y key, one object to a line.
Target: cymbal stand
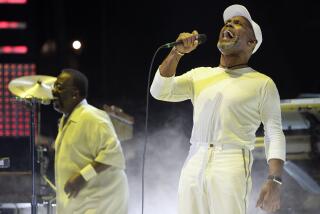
[
  {"x": 31, "y": 103},
  {"x": 33, "y": 90},
  {"x": 33, "y": 106}
]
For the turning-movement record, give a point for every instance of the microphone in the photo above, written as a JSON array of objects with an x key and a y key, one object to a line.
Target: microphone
[{"x": 202, "y": 38}]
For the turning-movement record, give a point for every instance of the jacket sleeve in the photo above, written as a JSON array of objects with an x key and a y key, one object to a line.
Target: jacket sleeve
[
  {"x": 107, "y": 148},
  {"x": 172, "y": 89},
  {"x": 270, "y": 113}
]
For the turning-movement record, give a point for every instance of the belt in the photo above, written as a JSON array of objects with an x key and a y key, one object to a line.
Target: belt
[{"x": 220, "y": 147}]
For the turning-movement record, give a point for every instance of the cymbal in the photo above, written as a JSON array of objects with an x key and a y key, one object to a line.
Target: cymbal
[{"x": 33, "y": 87}]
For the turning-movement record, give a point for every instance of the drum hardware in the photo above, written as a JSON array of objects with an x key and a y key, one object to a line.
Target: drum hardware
[
  {"x": 33, "y": 91},
  {"x": 4, "y": 162}
]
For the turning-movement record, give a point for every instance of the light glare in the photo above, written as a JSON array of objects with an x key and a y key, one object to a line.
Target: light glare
[{"x": 76, "y": 45}]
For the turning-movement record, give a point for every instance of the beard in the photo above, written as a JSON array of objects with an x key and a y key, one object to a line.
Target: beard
[
  {"x": 227, "y": 47},
  {"x": 57, "y": 105}
]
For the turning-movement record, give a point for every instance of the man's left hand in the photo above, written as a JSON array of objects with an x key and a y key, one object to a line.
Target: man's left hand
[
  {"x": 269, "y": 199},
  {"x": 74, "y": 185}
]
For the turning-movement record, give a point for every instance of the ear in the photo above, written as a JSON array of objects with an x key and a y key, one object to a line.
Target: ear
[
  {"x": 252, "y": 43},
  {"x": 75, "y": 94}
]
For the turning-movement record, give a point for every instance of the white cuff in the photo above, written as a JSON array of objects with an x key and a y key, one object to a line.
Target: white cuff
[{"x": 88, "y": 172}]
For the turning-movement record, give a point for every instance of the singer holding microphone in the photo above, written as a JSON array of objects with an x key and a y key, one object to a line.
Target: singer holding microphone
[{"x": 230, "y": 101}]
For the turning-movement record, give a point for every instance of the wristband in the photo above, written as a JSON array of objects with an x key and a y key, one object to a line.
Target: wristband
[
  {"x": 88, "y": 172},
  {"x": 178, "y": 52},
  {"x": 275, "y": 179}
]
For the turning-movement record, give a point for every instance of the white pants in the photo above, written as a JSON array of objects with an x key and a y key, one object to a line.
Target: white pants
[
  {"x": 107, "y": 193},
  {"x": 215, "y": 181}
]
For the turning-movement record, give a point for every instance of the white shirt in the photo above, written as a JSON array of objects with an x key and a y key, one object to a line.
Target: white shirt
[
  {"x": 88, "y": 136},
  {"x": 229, "y": 106}
]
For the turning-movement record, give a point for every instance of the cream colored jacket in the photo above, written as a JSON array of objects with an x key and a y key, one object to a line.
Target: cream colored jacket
[{"x": 88, "y": 136}]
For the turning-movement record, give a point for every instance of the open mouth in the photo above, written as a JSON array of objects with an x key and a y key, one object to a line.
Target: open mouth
[{"x": 227, "y": 34}]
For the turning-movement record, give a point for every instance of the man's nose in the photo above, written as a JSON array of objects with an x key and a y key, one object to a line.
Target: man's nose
[{"x": 229, "y": 24}]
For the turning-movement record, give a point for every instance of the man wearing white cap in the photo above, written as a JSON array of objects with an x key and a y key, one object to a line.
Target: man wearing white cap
[{"x": 230, "y": 102}]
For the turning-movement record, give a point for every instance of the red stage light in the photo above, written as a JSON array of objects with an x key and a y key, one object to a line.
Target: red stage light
[
  {"x": 20, "y": 49},
  {"x": 8, "y": 25},
  {"x": 14, "y": 118},
  {"x": 13, "y": 1}
]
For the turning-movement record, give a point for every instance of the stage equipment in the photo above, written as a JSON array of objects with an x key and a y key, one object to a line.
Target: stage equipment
[
  {"x": 122, "y": 122},
  {"x": 5, "y": 162},
  {"x": 301, "y": 123},
  {"x": 33, "y": 90},
  {"x": 301, "y": 126}
]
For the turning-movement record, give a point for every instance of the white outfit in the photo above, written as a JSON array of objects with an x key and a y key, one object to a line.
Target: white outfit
[
  {"x": 88, "y": 136},
  {"x": 229, "y": 106}
]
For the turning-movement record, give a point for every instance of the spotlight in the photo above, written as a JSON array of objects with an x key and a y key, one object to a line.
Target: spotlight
[{"x": 76, "y": 45}]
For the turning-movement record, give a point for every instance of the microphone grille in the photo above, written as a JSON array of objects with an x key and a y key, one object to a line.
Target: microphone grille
[{"x": 202, "y": 38}]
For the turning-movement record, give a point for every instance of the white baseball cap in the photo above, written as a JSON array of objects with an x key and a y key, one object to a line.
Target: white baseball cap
[{"x": 239, "y": 10}]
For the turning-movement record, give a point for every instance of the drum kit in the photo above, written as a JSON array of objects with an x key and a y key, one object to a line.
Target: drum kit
[
  {"x": 34, "y": 88},
  {"x": 33, "y": 91}
]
